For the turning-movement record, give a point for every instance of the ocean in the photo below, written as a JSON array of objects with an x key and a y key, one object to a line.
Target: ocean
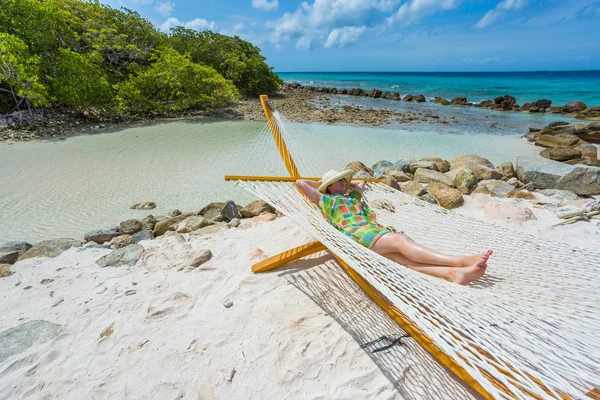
[{"x": 559, "y": 86}]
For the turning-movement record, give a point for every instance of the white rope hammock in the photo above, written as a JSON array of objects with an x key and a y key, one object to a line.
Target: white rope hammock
[{"x": 532, "y": 321}]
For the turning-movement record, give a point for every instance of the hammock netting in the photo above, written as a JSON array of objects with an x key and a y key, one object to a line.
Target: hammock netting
[{"x": 528, "y": 328}]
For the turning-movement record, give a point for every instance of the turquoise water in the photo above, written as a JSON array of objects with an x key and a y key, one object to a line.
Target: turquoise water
[{"x": 561, "y": 87}]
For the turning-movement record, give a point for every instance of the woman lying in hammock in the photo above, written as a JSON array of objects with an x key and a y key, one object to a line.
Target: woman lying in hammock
[{"x": 354, "y": 218}]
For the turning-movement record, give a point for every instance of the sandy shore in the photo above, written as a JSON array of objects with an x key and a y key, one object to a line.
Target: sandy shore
[{"x": 157, "y": 331}]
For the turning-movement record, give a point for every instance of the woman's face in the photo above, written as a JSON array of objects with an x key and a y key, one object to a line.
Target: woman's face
[{"x": 338, "y": 187}]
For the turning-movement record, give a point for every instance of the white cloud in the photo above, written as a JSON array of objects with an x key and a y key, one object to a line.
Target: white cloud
[
  {"x": 198, "y": 24},
  {"x": 164, "y": 8},
  {"x": 304, "y": 43},
  {"x": 486, "y": 60},
  {"x": 341, "y": 37},
  {"x": 413, "y": 10},
  {"x": 266, "y": 5},
  {"x": 499, "y": 12}
]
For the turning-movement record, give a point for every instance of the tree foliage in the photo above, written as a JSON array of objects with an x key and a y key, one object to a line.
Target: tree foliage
[{"x": 81, "y": 54}]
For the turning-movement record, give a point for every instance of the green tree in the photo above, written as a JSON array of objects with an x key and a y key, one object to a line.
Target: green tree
[{"x": 173, "y": 83}]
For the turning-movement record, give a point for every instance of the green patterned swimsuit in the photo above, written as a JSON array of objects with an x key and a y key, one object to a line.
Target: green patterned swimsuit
[{"x": 353, "y": 217}]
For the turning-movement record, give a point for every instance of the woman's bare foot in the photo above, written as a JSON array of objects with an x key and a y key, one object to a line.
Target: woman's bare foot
[
  {"x": 466, "y": 275},
  {"x": 470, "y": 260}
]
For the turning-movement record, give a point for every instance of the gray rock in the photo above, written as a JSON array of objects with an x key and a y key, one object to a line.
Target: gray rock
[
  {"x": 423, "y": 164},
  {"x": 142, "y": 235},
  {"x": 513, "y": 182},
  {"x": 549, "y": 174},
  {"x": 594, "y": 126},
  {"x": 21, "y": 247},
  {"x": 404, "y": 165},
  {"x": 128, "y": 255},
  {"x": 498, "y": 188},
  {"x": 195, "y": 222},
  {"x": 234, "y": 223},
  {"x": 230, "y": 211},
  {"x": 574, "y": 106},
  {"x": 423, "y": 175},
  {"x": 50, "y": 248},
  {"x": 100, "y": 236},
  {"x": 362, "y": 174},
  {"x": 174, "y": 213},
  {"x": 21, "y": 337},
  {"x": 9, "y": 257},
  {"x": 569, "y": 212},
  {"x": 198, "y": 258},
  {"x": 381, "y": 167},
  {"x": 131, "y": 226},
  {"x": 428, "y": 198}
]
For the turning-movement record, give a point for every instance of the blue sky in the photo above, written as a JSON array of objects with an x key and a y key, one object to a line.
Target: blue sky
[{"x": 398, "y": 35}]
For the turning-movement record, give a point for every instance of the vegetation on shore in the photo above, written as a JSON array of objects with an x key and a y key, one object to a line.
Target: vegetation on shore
[{"x": 103, "y": 63}]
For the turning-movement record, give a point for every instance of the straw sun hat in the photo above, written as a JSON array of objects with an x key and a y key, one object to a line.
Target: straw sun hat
[{"x": 333, "y": 176}]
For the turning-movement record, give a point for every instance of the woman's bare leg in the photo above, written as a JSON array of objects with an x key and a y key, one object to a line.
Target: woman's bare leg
[
  {"x": 399, "y": 243},
  {"x": 462, "y": 276}
]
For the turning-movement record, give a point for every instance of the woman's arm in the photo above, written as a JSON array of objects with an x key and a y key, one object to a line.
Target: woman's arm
[
  {"x": 308, "y": 188},
  {"x": 358, "y": 185}
]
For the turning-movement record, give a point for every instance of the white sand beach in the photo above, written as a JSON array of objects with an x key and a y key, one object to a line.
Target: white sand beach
[{"x": 156, "y": 330}]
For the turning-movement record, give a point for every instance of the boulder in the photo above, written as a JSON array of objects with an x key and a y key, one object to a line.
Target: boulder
[
  {"x": 375, "y": 93},
  {"x": 423, "y": 175},
  {"x": 423, "y": 165},
  {"x": 464, "y": 180},
  {"x": 459, "y": 101},
  {"x": 592, "y": 113},
  {"x": 507, "y": 169},
  {"x": 558, "y": 194},
  {"x": 399, "y": 175},
  {"x": 549, "y": 174},
  {"x": 486, "y": 104},
  {"x": 255, "y": 208},
  {"x": 169, "y": 224},
  {"x": 569, "y": 211},
  {"x": 413, "y": 188},
  {"x": 403, "y": 164},
  {"x": 505, "y": 103},
  {"x": 419, "y": 98},
  {"x": 446, "y": 196},
  {"x": 561, "y": 153},
  {"x": 193, "y": 223},
  {"x": 442, "y": 165},
  {"x": 9, "y": 257},
  {"x": 498, "y": 188},
  {"x": 357, "y": 166},
  {"x": 100, "y": 236},
  {"x": 573, "y": 106},
  {"x": 592, "y": 162},
  {"x": 594, "y": 126},
  {"x": 428, "y": 198},
  {"x": 390, "y": 181},
  {"x": 521, "y": 194},
  {"x": 197, "y": 258},
  {"x": 120, "y": 241},
  {"x": 208, "y": 230},
  {"x": 544, "y": 103},
  {"x": 128, "y": 255},
  {"x": 20, "y": 247},
  {"x": 440, "y": 100},
  {"x": 142, "y": 235},
  {"x": 50, "y": 248},
  {"x": 148, "y": 223},
  {"x": 480, "y": 189},
  {"x": 5, "y": 270},
  {"x": 229, "y": 212},
  {"x": 381, "y": 166},
  {"x": 408, "y": 97},
  {"x": 18, "y": 339},
  {"x": 467, "y": 161},
  {"x": 559, "y": 140},
  {"x": 130, "y": 226},
  {"x": 587, "y": 150}
]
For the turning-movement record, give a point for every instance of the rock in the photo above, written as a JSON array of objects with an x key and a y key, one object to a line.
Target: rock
[
  {"x": 413, "y": 188},
  {"x": 549, "y": 174},
  {"x": 234, "y": 222},
  {"x": 428, "y": 198},
  {"x": 419, "y": 98},
  {"x": 381, "y": 167},
  {"x": 357, "y": 166},
  {"x": 498, "y": 188},
  {"x": 468, "y": 161},
  {"x": 100, "y": 236},
  {"x": 459, "y": 101},
  {"x": 544, "y": 103},
  {"x": 569, "y": 212},
  {"x": 390, "y": 181},
  {"x": 589, "y": 113},
  {"x": 169, "y": 224},
  {"x": 587, "y": 150},
  {"x": 362, "y": 175},
  {"x": 561, "y": 153},
  {"x": 149, "y": 205},
  {"x": 487, "y": 104},
  {"x": 9, "y": 257},
  {"x": 521, "y": 194},
  {"x": 198, "y": 258},
  {"x": 5, "y": 270},
  {"x": 212, "y": 210},
  {"x": 441, "y": 100},
  {"x": 592, "y": 162},
  {"x": 560, "y": 140},
  {"x": 375, "y": 93},
  {"x": 208, "y": 230},
  {"x": 408, "y": 97},
  {"x": 266, "y": 217},
  {"x": 399, "y": 175},
  {"x": 574, "y": 106},
  {"x": 446, "y": 196},
  {"x": 120, "y": 241},
  {"x": 423, "y": 175},
  {"x": 443, "y": 166},
  {"x": 594, "y": 126},
  {"x": 130, "y": 292},
  {"x": 483, "y": 190},
  {"x": 513, "y": 182},
  {"x": 227, "y": 303},
  {"x": 422, "y": 164},
  {"x": 558, "y": 194},
  {"x": 50, "y": 248},
  {"x": 148, "y": 223},
  {"x": 192, "y": 223},
  {"x": 229, "y": 212},
  {"x": 505, "y": 103},
  {"x": 591, "y": 133},
  {"x": 128, "y": 255},
  {"x": 174, "y": 213},
  {"x": 464, "y": 180},
  {"x": 591, "y": 205},
  {"x": 130, "y": 226},
  {"x": 142, "y": 235},
  {"x": 21, "y": 337},
  {"x": 255, "y": 208},
  {"x": 507, "y": 170},
  {"x": 20, "y": 247}
]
